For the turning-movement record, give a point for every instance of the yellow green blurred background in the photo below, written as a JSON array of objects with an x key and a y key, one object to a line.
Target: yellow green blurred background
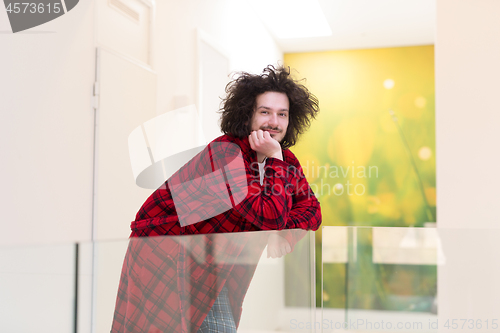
[{"x": 356, "y": 160}]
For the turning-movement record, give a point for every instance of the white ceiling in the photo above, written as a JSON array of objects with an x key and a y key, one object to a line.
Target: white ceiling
[{"x": 368, "y": 24}]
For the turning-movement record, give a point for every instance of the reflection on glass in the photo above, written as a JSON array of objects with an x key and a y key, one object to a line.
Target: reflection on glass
[
  {"x": 37, "y": 288},
  {"x": 375, "y": 275},
  {"x": 167, "y": 283},
  {"x": 160, "y": 146},
  {"x": 170, "y": 283},
  {"x": 387, "y": 275}
]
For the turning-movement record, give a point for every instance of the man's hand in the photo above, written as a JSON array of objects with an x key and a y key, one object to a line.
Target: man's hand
[
  {"x": 277, "y": 246},
  {"x": 262, "y": 142}
]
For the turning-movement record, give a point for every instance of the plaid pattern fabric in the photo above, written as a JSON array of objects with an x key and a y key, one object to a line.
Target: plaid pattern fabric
[
  {"x": 220, "y": 317},
  {"x": 169, "y": 284}
]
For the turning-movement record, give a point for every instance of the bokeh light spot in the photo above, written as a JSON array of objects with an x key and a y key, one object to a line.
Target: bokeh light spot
[
  {"x": 389, "y": 84},
  {"x": 424, "y": 153}
]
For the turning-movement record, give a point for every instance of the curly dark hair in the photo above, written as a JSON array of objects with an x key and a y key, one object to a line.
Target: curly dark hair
[{"x": 238, "y": 106}]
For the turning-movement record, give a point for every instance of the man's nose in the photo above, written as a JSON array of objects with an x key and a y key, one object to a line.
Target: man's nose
[{"x": 273, "y": 120}]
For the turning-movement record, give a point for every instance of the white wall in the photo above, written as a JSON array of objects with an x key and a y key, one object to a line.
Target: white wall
[
  {"x": 468, "y": 180},
  {"x": 468, "y": 113},
  {"x": 46, "y": 129},
  {"x": 46, "y": 144},
  {"x": 230, "y": 24}
]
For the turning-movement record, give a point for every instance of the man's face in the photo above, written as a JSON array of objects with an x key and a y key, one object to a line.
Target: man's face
[{"x": 271, "y": 114}]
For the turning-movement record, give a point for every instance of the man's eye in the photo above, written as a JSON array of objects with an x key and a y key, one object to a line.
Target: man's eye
[{"x": 264, "y": 112}]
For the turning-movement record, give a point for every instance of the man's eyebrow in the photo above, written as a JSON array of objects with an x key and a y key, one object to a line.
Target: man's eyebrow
[{"x": 268, "y": 108}]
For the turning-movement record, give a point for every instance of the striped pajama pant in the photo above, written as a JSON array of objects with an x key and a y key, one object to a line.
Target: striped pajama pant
[{"x": 220, "y": 318}]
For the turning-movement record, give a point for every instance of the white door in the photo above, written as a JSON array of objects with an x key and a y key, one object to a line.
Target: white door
[
  {"x": 213, "y": 71},
  {"x": 126, "y": 99}
]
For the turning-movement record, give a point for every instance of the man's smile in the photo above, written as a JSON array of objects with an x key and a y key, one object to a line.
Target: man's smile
[{"x": 271, "y": 131}]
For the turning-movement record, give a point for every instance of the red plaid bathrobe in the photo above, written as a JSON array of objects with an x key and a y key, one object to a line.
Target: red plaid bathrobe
[{"x": 169, "y": 284}]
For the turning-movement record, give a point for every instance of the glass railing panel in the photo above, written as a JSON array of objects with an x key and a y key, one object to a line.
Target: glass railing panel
[
  {"x": 468, "y": 280},
  {"x": 108, "y": 257},
  {"x": 389, "y": 278},
  {"x": 37, "y": 288},
  {"x": 373, "y": 279},
  {"x": 170, "y": 283},
  {"x": 410, "y": 279}
]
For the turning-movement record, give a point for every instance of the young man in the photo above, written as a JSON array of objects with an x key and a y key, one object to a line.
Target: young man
[{"x": 245, "y": 180}]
